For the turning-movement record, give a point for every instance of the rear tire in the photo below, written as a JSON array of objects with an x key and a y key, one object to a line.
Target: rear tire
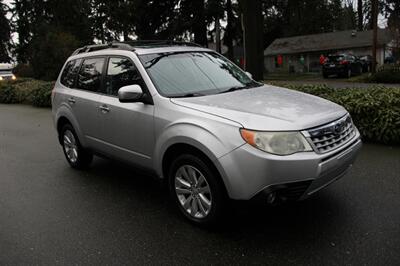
[
  {"x": 76, "y": 155},
  {"x": 197, "y": 190}
]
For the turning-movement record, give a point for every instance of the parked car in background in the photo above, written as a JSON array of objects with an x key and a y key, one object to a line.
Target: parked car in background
[
  {"x": 342, "y": 65},
  {"x": 6, "y": 72},
  {"x": 197, "y": 120},
  {"x": 366, "y": 62}
]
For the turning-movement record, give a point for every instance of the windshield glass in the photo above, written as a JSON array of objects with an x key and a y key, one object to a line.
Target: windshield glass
[{"x": 186, "y": 74}]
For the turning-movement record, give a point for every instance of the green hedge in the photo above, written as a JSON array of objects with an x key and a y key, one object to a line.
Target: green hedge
[
  {"x": 375, "y": 111},
  {"x": 27, "y": 91}
]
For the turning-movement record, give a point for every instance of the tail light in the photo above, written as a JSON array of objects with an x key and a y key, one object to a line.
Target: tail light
[{"x": 344, "y": 62}]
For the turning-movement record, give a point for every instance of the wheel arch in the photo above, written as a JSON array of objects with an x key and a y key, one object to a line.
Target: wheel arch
[
  {"x": 65, "y": 116},
  {"x": 177, "y": 149}
]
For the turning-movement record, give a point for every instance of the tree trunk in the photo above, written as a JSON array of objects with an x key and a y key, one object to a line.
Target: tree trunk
[
  {"x": 199, "y": 23},
  {"x": 229, "y": 32},
  {"x": 375, "y": 33},
  {"x": 360, "y": 15},
  {"x": 217, "y": 35},
  {"x": 253, "y": 37}
]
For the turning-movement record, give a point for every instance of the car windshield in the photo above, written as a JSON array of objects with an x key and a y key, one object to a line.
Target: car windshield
[{"x": 190, "y": 74}]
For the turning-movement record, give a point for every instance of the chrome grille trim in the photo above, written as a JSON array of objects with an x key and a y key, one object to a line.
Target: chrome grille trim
[{"x": 331, "y": 136}]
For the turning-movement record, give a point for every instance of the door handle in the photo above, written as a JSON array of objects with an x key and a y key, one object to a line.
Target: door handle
[
  {"x": 104, "y": 109},
  {"x": 71, "y": 100}
]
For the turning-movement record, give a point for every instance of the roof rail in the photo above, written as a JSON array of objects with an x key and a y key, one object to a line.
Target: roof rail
[
  {"x": 130, "y": 45},
  {"x": 152, "y": 43},
  {"x": 98, "y": 47}
]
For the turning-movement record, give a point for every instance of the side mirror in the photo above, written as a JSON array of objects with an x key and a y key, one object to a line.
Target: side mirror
[
  {"x": 249, "y": 75},
  {"x": 130, "y": 94}
]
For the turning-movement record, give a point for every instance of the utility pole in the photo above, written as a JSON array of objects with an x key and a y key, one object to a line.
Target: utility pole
[{"x": 375, "y": 34}]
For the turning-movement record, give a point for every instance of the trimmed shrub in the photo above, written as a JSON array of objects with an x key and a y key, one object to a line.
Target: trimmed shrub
[
  {"x": 386, "y": 74},
  {"x": 41, "y": 96},
  {"x": 28, "y": 91},
  {"x": 375, "y": 111},
  {"x": 7, "y": 93}
]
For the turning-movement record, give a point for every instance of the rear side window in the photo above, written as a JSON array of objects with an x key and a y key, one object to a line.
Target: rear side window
[
  {"x": 121, "y": 72},
  {"x": 89, "y": 77},
  {"x": 68, "y": 76}
]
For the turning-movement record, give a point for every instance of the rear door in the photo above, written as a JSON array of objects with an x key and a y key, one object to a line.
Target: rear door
[
  {"x": 84, "y": 98},
  {"x": 128, "y": 129}
]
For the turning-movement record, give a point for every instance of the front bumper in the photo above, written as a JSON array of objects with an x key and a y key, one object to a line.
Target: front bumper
[{"x": 247, "y": 171}]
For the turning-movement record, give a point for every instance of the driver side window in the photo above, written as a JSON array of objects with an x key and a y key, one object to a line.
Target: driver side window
[{"x": 121, "y": 72}]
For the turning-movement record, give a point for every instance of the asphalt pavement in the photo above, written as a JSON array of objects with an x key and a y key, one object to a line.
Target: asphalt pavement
[{"x": 114, "y": 214}]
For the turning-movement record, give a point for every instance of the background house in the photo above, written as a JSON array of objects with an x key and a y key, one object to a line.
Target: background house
[{"x": 301, "y": 53}]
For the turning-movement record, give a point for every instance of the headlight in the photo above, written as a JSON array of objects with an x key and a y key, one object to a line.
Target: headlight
[
  {"x": 1, "y": 78},
  {"x": 279, "y": 143},
  {"x": 13, "y": 77}
]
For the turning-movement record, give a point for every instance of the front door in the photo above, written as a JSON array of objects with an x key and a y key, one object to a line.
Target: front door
[{"x": 128, "y": 128}]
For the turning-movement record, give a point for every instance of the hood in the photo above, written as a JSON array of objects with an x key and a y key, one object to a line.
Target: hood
[{"x": 267, "y": 108}]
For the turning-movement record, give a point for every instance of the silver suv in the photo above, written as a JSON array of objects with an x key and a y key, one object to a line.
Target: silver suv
[{"x": 197, "y": 120}]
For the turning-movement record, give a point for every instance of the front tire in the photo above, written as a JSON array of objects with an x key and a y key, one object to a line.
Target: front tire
[
  {"x": 197, "y": 190},
  {"x": 76, "y": 155}
]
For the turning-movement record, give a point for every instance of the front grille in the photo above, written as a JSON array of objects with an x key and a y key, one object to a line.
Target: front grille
[
  {"x": 333, "y": 135},
  {"x": 7, "y": 77}
]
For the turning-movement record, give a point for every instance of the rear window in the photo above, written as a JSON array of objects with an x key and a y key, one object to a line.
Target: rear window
[
  {"x": 90, "y": 73},
  {"x": 70, "y": 72}
]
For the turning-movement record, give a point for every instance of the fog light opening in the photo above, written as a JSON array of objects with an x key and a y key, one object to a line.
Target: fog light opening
[{"x": 271, "y": 198}]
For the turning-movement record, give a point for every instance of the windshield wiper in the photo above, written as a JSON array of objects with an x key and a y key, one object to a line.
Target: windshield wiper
[
  {"x": 237, "y": 88},
  {"x": 191, "y": 94}
]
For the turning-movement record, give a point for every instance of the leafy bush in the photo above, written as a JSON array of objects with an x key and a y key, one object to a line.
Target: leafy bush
[
  {"x": 386, "y": 74},
  {"x": 26, "y": 91},
  {"x": 7, "y": 93},
  {"x": 375, "y": 111},
  {"x": 41, "y": 96}
]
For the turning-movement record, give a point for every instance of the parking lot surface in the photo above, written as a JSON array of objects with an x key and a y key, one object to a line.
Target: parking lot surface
[{"x": 114, "y": 214}]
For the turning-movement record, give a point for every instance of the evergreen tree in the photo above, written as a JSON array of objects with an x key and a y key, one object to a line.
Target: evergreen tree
[{"x": 5, "y": 34}]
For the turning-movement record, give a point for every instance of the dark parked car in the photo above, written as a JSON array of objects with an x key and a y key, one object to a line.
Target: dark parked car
[{"x": 342, "y": 65}]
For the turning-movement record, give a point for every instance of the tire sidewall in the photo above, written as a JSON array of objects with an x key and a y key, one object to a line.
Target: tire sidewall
[{"x": 217, "y": 192}]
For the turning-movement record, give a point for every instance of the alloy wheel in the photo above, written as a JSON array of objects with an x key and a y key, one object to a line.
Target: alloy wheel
[
  {"x": 193, "y": 191},
  {"x": 70, "y": 146}
]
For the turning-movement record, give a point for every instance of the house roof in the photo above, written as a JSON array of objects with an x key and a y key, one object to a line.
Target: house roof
[{"x": 327, "y": 42}]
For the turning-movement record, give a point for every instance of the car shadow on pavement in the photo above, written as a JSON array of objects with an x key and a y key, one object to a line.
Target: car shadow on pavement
[{"x": 135, "y": 187}]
